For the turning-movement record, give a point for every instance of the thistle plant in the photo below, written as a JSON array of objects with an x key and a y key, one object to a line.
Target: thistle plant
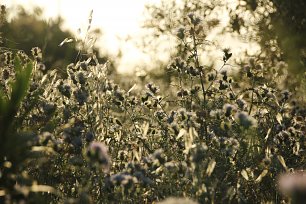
[{"x": 208, "y": 135}]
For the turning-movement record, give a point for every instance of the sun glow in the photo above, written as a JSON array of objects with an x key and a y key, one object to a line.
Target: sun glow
[{"x": 117, "y": 19}]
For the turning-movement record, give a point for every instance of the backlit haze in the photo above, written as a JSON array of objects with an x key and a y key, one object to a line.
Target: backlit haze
[{"x": 117, "y": 19}]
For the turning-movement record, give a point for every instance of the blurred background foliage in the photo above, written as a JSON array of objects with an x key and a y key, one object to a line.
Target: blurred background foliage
[
  {"x": 278, "y": 27},
  {"x": 28, "y": 29}
]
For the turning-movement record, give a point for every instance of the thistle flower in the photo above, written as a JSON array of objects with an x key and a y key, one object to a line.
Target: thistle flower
[
  {"x": 199, "y": 153},
  {"x": 228, "y": 108},
  {"x": 89, "y": 136},
  {"x": 245, "y": 120},
  {"x": 293, "y": 185},
  {"x": 98, "y": 152},
  {"x": 125, "y": 180},
  {"x": 285, "y": 95},
  {"x": 182, "y": 93},
  {"x": 64, "y": 89},
  {"x": 181, "y": 33},
  {"x": 48, "y": 108},
  {"x": 159, "y": 156},
  {"x": 81, "y": 96},
  {"x": 154, "y": 89},
  {"x": 241, "y": 103},
  {"x": 81, "y": 78},
  {"x": 37, "y": 54},
  {"x": 171, "y": 117},
  {"x": 83, "y": 65}
]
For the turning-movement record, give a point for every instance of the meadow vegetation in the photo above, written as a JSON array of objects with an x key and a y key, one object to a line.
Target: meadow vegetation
[{"x": 202, "y": 134}]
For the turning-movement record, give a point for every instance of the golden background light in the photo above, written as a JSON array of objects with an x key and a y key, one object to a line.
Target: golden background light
[{"x": 117, "y": 19}]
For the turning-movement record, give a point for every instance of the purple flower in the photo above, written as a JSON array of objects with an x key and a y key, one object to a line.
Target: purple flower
[
  {"x": 98, "y": 152},
  {"x": 294, "y": 185},
  {"x": 246, "y": 120}
]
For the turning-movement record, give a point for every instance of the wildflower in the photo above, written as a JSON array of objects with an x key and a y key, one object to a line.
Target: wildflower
[
  {"x": 196, "y": 21},
  {"x": 154, "y": 89},
  {"x": 49, "y": 108},
  {"x": 227, "y": 55},
  {"x": 160, "y": 115},
  {"x": 245, "y": 120},
  {"x": 119, "y": 95},
  {"x": 64, "y": 89},
  {"x": 190, "y": 15},
  {"x": 241, "y": 103},
  {"x": 231, "y": 96},
  {"x": 192, "y": 71},
  {"x": 81, "y": 78},
  {"x": 195, "y": 90},
  {"x": 228, "y": 108},
  {"x": 211, "y": 76},
  {"x": 83, "y": 65},
  {"x": 117, "y": 178},
  {"x": 285, "y": 95},
  {"x": 224, "y": 73},
  {"x": 247, "y": 69},
  {"x": 125, "y": 180},
  {"x": 98, "y": 152},
  {"x": 81, "y": 96},
  {"x": 145, "y": 98},
  {"x": 89, "y": 136},
  {"x": 171, "y": 117},
  {"x": 77, "y": 143},
  {"x": 182, "y": 93},
  {"x": 294, "y": 185},
  {"x": 199, "y": 153},
  {"x": 181, "y": 33},
  {"x": 37, "y": 54},
  {"x": 159, "y": 156},
  {"x": 222, "y": 85},
  {"x": 23, "y": 56},
  {"x": 183, "y": 114},
  {"x": 142, "y": 178}
]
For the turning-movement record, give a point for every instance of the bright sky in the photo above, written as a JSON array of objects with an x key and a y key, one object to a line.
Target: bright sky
[{"x": 116, "y": 18}]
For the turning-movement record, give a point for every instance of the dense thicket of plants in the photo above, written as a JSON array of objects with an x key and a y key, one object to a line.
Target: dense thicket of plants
[{"x": 213, "y": 135}]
